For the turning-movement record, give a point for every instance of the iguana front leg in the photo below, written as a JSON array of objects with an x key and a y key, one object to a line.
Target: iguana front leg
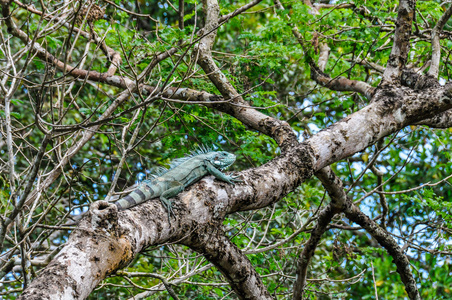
[
  {"x": 175, "y": 187},
  {"x": 220, "y": 175}
]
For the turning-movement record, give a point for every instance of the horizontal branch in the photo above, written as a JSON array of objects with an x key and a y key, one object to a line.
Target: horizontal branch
[
  {"x": 392, "y": 109},
  {"x": 210, "y": 201},
  {"x": 341, "y": 83},
  {"x": 442, "y": 120}
]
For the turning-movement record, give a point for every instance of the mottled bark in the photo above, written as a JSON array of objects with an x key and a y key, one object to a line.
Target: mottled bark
[
  {"x": 106, "y": 240},
  {"x": 442, "y": 120},
  {"x": 147, "y": 225},
  {"x": 401, "y": 44},
  {"x": 230, "y": 261},
  {"x": 96, "y": 249},
  {"x": 391, "y": 110}
]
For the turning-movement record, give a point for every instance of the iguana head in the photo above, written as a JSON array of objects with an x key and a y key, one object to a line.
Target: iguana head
[{"x": 221, "y": 159}]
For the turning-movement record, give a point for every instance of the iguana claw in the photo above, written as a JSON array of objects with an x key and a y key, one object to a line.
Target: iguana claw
[
  {"x": 168, "y": 205},
  {"x": 233, "y": 178}
]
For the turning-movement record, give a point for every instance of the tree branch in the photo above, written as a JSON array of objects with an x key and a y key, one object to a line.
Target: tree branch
[
  {"x": 280, "y": 131},
  {"x": 239, "y": 11},
  {"x": 436, "y": 47},
  {"x": 340, "y": 83},
  {"x": 230, "y": 261},
  {"x": 401, "y": 43},
  {"x": 77, "y": 270},
  {"x": 336, "y": 192},
  {"x": 340, "y": 203},
  {"x": 442, "y": 120},
  {"x": 353, "y": 213}
]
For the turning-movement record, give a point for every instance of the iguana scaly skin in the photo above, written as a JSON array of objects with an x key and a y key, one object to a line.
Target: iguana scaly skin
[{"x": 182, "y": 173}]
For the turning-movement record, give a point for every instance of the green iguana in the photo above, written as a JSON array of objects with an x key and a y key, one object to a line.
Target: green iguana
[{"x": 182, "y": 173}]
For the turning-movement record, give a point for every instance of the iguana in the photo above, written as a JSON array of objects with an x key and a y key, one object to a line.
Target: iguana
[{"x": 182, "y": 173}]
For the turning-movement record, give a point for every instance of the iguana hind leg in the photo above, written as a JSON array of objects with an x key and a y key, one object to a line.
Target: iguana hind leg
[{"x": 175, "y": 188}]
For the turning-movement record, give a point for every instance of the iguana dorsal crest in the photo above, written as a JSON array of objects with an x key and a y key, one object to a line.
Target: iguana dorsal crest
[
  {"x": 203, "y": 149},
  {"x": 167, "y": 183},
  {"x": 159, "y": 171}
]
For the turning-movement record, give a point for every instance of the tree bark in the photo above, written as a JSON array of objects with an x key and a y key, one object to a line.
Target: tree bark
[{"x": 208, "y": 200}]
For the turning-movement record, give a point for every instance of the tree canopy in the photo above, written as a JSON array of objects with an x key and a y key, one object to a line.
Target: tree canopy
[{"x": 339, "y": 113}]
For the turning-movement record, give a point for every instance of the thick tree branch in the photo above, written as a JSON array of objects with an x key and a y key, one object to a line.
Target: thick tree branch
[
  {"x": 401, "y": 43},
  {"x": 263, "y": 186},
  {"x": 63, "y": 278},
  {"x": 394, "y": 109},
  {"x": 230, "y": 261},
  {"x": 442, "y": 120}
]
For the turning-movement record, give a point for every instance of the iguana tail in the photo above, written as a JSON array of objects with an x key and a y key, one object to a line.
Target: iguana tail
[{"x": 143, "y": 193}]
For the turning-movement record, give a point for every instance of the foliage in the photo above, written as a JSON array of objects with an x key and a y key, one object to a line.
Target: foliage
[{"x": 262, "y": 58}]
